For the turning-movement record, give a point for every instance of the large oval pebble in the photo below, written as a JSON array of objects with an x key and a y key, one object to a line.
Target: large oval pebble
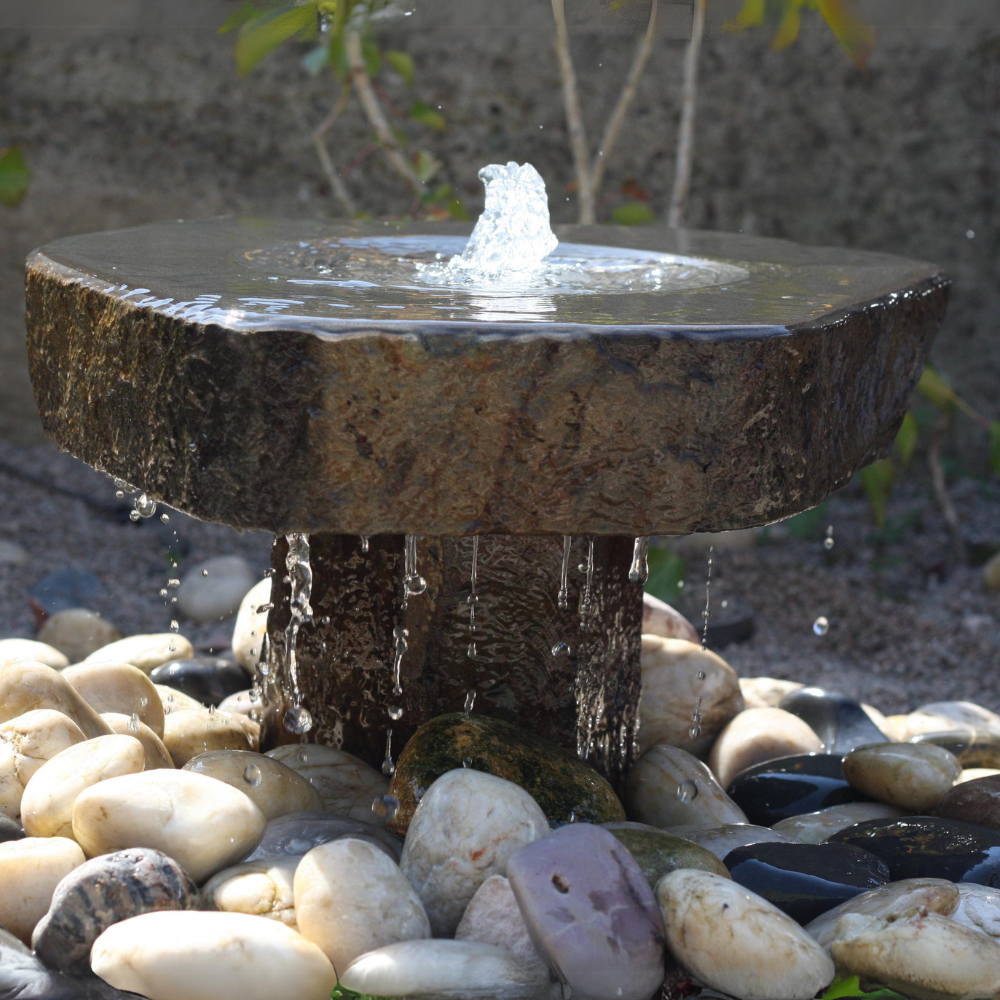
[
  {"x": 204, "y": 824},
  {"x": 179, "y": 955},
  {"x": 815, "y": 827},
  {"x": 25, "y": 687},
  {"x": 262, "y": 888},
  {"x": 441, "y": 968},
  {"x": 77, "y": 632},
  {"x": 911, "y": 776},
  {"x": 156, "y": 753},
  {"x": 18, "y": 650},
  {"x": 30, "y": 870},
  {"x": 251, "y": 624},
  {"x": 120, "y": 688},
  {"x": 351, "y": 898},
  {"x": 297, "y": 833},
  {"x": 144, "y": 651},
  {"x": 736, "y": 942},
  {"x": 47, "y": 803},
  {"x": 189, "y": 733},
  {"x": 102, "y": 892},
  {"x": 464, "y": 830},
  {"x": 276, "y": 789}
]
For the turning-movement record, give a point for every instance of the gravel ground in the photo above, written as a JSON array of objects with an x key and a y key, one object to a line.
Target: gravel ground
[{"x": 908, "y": 624}]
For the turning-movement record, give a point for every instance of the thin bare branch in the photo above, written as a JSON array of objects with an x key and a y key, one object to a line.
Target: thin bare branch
[
  {"x": 374, "y": 113},
  {"x": 642, "y": 53},
  {"x": 941, "y": 492},
  {"x": 685, "y": 135},
  {"x": 337, "y": 185},
  {"x": 574, "y": 116}
]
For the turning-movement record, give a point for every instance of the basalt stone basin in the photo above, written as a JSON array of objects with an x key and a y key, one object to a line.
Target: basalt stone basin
[
  {"x": 336, "y": 379},
  {"x": 306, "y": 376}
]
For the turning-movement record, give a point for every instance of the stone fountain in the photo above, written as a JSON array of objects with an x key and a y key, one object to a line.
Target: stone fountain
[{"x": 467, "y": 457}]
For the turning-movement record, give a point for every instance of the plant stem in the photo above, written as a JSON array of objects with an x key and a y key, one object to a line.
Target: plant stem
[
  {"x": 374, "y": 113},
  {"x": 611, "y": 130},
  {"x": 337, "y": 185},
  {"x": 685, "y": 135},
  {"x": 574, "y": 116},
  {"x": 941, "y": 492}
]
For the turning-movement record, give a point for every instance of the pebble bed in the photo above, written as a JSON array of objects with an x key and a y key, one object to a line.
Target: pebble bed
[{"x": 773, "y": 841}]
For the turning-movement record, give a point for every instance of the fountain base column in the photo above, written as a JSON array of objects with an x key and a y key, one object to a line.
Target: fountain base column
[{"x": 570, "y": 674}]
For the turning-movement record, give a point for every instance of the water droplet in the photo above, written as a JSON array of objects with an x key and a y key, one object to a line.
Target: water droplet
[
  {"x": 204, "y": 572},
  {"x": 386, "y": 806},
  {"x": 560, "y": 649},
  {"x": 121, "y": 484},
  {"x": 639, "y": 570},
  {"x": 134, "y": 515},
  {"x": 133, "y": 723},
  {"x": 252, "y": 775},
  {"x": 365, "y": 543},
  {"x": 821, "y": 626},
  {"x": 119, "y": 494},
  {"x": 298, "y": 720},
  {"x": 687, "y": 790},
  {"x": 415, "y": 585},
  {"x": 700, "y": 675},
  {"x": 144, "y": 506},
  {"x": 563, "y": 597},
  {"x": 174, "y": 625},
  {"x": 466, "y": 762},
  {"x": 173, "y": 582},
  {"x": 164, "y": 592},
  {"x": 395, "y": 712},
  {"x": 827, "y": 543},
  {"x": 192, "y": 446},
  {"x": 470, "y": 701},
  {"x": 211, "y": 710},
  {"x": 165, "y": 518}
]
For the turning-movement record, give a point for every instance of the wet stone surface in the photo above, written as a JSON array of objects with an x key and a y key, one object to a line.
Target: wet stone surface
[
  {"x": 806, "y": 880},
  {"x": 298, "y": 833},
  {"x": 978, "y": 749},
  {"x": 657, "y": 852},
  {"x": 565, "y": 788},
  {"x": 103, "y": 891},
  {"x": 208, "y": 679},
  {"x": 930, "y": 847},
  {"x": 975, "y": 801},
  {"x": 791, "y": 786},
  {"x": 840, "y": 722}
]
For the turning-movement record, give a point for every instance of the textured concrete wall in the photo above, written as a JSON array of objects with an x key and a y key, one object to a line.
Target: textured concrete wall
[{"x": 130, "y": 110}]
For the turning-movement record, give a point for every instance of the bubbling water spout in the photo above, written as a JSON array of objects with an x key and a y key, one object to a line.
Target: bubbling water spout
[{"x": 513, "y": 233}]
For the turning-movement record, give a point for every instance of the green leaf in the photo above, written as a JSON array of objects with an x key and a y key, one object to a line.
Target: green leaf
[
  {"x": 423, "y": 114},
  {"x": 850, "y": 986},
  {"x": 666, "y": 574},
  {"x": 877, "y": 480},
  {"x": 402, "y": 64},
  {"x": 856, "y": 37},
  {"x": 995, "y": 447},
  {"x": 936, "y": 390},
  {"x": 751, "y": 15},
  {"x": 458, "y": 211},
  {"x": 426, "y": 166},
  {"x": 633, "y": 213},
  {"x": 264, "y": 34},
  {"x": 906, "y": 439},
  {"x": 314, "y": 60},
  {"x": 245, "y": 12},
  {"x": 14, "y": 176}
]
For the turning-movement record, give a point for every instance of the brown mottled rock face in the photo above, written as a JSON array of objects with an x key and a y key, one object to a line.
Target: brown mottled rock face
[{"x": 297, "y": 376}]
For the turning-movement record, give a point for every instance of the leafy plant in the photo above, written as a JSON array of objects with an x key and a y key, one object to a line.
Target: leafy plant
[
  {"x": 856, "y": 36},
  {"x": 666, "y": 574},
  {"x": 340, "y": 31},
  {"x": 844, "y": 987},
  {"x": 14, "y": 176}
]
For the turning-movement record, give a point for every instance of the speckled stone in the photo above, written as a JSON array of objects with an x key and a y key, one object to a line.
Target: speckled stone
[
  {"x": 464, "y": 830},
  {"x": 911, "y": 776},
  {"x": 102, "y": 892},
  {"x": 299, "y": 833},
  {"x": 208, "y": 679},
  {"x": 840, "y": 722},
  {"x": 792, "y": 786},
  {"x": 806, "y": 880},
  {"x": 975, "y": 801},
  {"x": 669, "y": 787},
  {"x": 930, "y": 847},
  {"x": 657, "y": 852},
  {"x": 736, "y": 942},
  {"x": 897, "y": 899},
  {"x": 756, "y": 736},
  {"x": 591, "y": 912},
  {"x": 566, "y": 789}
]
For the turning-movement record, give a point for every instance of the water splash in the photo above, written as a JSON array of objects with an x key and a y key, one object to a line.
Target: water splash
[
  {"x": 297, "y": 718},
  {"x": 563, "y": 598},
  {"x": 513, "y": 234},
  {"x": 470, "y": 701},
  {"x": 639, "y": 570},
  {"x": 473, "y": 598},
  {"x": 400, "y": 646},
  {"x": 706, "y": 614},
  {"x": 413, "y": 583},
  {"x": 388, "y": 765}
]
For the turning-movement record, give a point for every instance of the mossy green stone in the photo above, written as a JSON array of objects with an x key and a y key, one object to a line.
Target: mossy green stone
[
  {"x": 567, "y": 789},
  {"x": 658, "y": 853}
]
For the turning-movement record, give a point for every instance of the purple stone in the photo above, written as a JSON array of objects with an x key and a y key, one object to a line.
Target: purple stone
[{"x": 591, "y": 912}]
